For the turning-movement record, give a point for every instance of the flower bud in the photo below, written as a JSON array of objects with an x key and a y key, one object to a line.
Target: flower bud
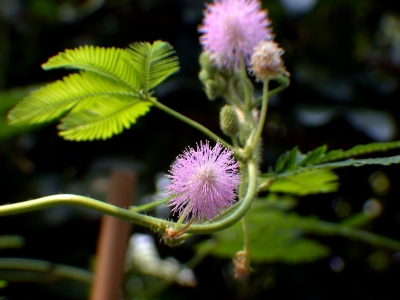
[
  {"x": 244, "y": 133},
  {"x": 266, "y": 61},
  {"x": 215, "y": 81},
  {"x": 228, "y": 120}
]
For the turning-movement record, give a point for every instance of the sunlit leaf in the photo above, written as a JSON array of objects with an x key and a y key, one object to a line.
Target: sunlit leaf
[
  {"x": 107, "y": 117},
  {"x": 110, "y": 62},
  {"x": 153, "y": 62},
  {"x": 76, "y": 91}
]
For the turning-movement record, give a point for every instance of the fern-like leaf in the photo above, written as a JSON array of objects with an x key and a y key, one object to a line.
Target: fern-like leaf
[
  {"x": 76, "y": 91},
  {"x": 110, "y": 62},
  {"x": 153, "y": 62},
  {"x": 289, "y": 160},
  {"x": 305, "y": 183},
  {"x": 107, "y": 117},
  {"x": 357, "y": 150}
]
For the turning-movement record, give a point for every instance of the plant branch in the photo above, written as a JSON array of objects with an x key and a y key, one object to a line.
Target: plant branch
[
  {"x": 190, "y": 122},
  {"x": 125, "y": 214},
  {"x": 35, "y": 265}
]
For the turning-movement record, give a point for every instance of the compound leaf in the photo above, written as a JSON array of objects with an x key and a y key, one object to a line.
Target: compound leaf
[
  {"x": 110, "y": 62},
  {"x": 153, "y": 62},
  {"x": 76, "y": 91},
  {"x": 107, "y": 117},
  {"x": 308, "y": 182}
]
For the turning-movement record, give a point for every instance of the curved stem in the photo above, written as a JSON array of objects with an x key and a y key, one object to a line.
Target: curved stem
[
  {"x": 239, "y": 212},
  {"x": 189, "y": 121},
  {"x": 58, "y": 270},
  {"x": 124, "y": 214},
  {"x": 68, "y": 199}
]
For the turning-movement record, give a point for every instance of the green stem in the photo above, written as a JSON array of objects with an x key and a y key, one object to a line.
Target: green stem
[
  {"x": 182, "y": 217},
  {"x": 247, "y": 86},
  {"x": 359, "y": 235},
  {"x": 246, "y": 244},
  {"x": 189, "y": 121},
  {"x": 263, "y": 115},
  {"x": 68, "y": 199},
  {"x": 47, "y": 267},
  {"x": 139, "y": 219},
  {"x": 239, "y": 212},
  {"x": 11, "y": 241},
  {"x": 150, "y": 205},
  {"x": 273, "y": 92}
]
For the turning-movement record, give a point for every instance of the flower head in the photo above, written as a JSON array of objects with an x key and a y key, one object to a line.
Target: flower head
[
  {"x": 204, "y": 181},
  {"x": 232, "y": 28},
  {"x": 266, "y": 61}
]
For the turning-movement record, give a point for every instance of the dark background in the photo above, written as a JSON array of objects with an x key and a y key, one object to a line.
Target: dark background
[{"x": 344, "y": 58}]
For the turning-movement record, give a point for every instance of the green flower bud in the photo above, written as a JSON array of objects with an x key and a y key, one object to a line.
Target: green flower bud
[
  {"x": 211, "y": 89},
  {"x": 215, "y": 81},
  {"x": 228, "y": 120},
  {"x": 244, "y": 133}
]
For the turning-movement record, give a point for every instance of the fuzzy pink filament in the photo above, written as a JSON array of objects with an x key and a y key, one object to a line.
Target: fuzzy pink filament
[
  {"x": 231, "y": 28},
  {"x": 204, "y": 179}
]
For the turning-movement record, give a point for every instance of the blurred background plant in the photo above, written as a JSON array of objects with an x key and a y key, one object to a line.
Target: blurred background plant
[{"x": 344, "y": 60}]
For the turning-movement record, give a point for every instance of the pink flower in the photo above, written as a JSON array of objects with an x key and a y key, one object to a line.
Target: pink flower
[
  {"x": 205, "y": 180},
  {"x": 231, "y": 27}
]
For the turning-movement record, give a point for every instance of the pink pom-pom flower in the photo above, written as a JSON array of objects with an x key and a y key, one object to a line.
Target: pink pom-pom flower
[
  {"x": 204, "y": 181},
  {"x": 231, "y": 28}
]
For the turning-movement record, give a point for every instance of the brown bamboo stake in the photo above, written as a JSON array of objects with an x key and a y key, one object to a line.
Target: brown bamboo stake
[{"x": 113, "y": 239}]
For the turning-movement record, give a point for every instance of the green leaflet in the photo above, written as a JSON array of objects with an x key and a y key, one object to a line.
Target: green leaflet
[
  {"x": 8, "y": 99},
  {"x": 289, "y": 160},
  {"x": 110, "y": 62},
  {"x": 107, "y": 117},
  {"x": 78, "y": 90},
  {"x": 153, "y": 62},
  {"x": 358, "y": 150},
  {"x": 315, "y": 178},
  {"x": 308, "y": 182},
  {"x": 111, "y": 91},
  {"x": 294, "y": 159}
]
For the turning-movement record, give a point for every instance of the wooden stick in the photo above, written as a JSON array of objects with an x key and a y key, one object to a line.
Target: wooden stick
[{"x": 113, "y": 240}]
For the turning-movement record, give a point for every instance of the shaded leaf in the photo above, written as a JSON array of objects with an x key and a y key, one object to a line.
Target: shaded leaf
[
  {"x": 309, "y": 182},
  {"x": 313, "y": 156},
  {"x": 273, "y": 237},
  {"x": 276, "y": 202},
  {"x": 288, "y": 160},
  {"x": 7, "y": 100}
]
